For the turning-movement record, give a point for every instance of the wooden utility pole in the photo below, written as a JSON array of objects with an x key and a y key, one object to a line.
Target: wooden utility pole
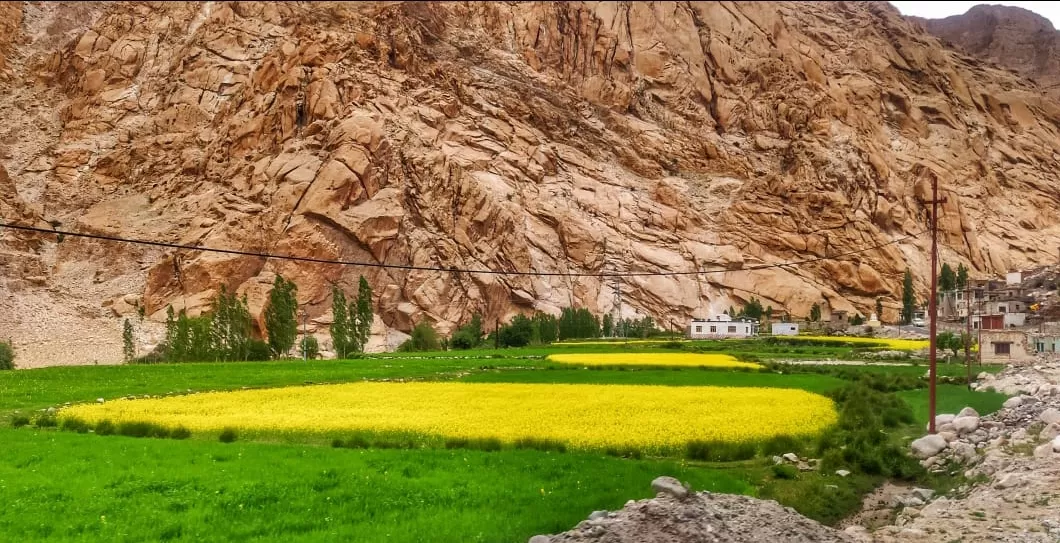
[
  {"x": 968, "y": 335},
  {"x": 933, "y": 303}
]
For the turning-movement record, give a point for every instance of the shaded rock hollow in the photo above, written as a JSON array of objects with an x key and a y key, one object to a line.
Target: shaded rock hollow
[{"x": 549, "y": 137}]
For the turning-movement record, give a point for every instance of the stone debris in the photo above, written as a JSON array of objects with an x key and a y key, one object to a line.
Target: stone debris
[
  {"x": 701, "y": 517},
  {"x": 1016, "y": 453},
  {"x": 669, "y": 485}
]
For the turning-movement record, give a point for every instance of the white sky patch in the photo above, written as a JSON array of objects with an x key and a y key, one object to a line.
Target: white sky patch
[{"x": 940, "y": 10}]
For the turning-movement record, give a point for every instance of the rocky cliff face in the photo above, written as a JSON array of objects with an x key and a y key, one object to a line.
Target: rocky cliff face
[
  {"x": 1012, "y": 37},
  {"x": 549, "y": 137}
]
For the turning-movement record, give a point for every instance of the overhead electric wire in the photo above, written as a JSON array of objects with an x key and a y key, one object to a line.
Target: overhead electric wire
[{"x": 410, "y": 267}]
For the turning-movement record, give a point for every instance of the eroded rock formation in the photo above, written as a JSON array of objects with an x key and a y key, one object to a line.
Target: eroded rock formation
[
  {"x": 1012, "y": 37},
  {"x": 550, "y": 137}
]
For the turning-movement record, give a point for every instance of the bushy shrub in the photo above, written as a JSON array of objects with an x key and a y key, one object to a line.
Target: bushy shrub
[
  {"x": 258, "y": 350},
  {"x": 141, "y": 429},
  {"x": 46, "y": 420},
  {"x": 105, "y": 428},
  {"x": 18, "y": 421},
  {"x": 422, "y": 338},
  {"x": 778, "y": 445},
  {"x": 785, "y": 471},
  {"x": 7, "y": 356},
  {"x": 859, "y": 442},
  {"x": 75, "y": 425},
  {"x": 228, "y": 435},
  {"x": 462, "y": 340},
  {"x": 180, "y": 432}
]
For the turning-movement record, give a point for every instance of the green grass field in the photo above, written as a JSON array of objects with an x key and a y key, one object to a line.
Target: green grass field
[{"x": 63, "y": 486}]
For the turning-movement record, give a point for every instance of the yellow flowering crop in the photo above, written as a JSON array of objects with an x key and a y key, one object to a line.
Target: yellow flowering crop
[
  {"x": 651, "y": 359},
  {"x": 651, "y": 417},
  {"x": 893, "y": 344}
]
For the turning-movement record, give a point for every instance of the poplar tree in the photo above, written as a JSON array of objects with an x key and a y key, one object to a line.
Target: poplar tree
[
  {"x": 962, "y": 277},
  {"x": 908, "y": 298},
  {"x": 128, "y": 348},
  {"x": 362, "y": 315},
  {"x": 281, "y": 316},
  {"x": 230, "y": 326},
  {"x": 339, "y": 323}
]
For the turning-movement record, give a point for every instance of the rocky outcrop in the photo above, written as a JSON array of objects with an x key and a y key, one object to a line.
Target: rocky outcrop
[
  {"x": 545, "y": 137},
  {"x": 1015, "y": 38}
]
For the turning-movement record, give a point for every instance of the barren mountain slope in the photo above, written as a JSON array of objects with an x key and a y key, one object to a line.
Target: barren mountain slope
[
  {"x": 1014, "y": 38},
  {"x": 553, "y": 137}
]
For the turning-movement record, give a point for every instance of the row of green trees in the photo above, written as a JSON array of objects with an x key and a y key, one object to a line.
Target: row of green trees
[
  {"x": 522, "y": 330},
  {"x": 223, "y": 334},
  {"x": 226, "y": 332},
  {"x": 352, "y": 323}
]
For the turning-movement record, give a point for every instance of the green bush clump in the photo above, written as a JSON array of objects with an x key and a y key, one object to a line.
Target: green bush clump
[
  {"x": 105, "y": 428},
  {"x": 141, "y": 429},
  {"x": 779, "y": 445},
  {"x": 859, "y": 442},
  {"x": 785, "y": 471},
  {"x": 75, "y": 425},
  {"x": 180, "y": 432},
  {"x": 18, "y": 421},
  {"x": 7, "y": 356},
  {"x": 46, "y": 420},
  {"x": 228, "y": 435}
]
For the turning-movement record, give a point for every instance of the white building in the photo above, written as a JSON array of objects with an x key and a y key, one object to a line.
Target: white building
[
  {"x": 722, "y": 326},
  {"x": 785, "y": 329}
]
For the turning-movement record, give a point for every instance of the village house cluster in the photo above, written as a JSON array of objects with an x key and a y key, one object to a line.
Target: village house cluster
[{"x": 1012, "y": 319}]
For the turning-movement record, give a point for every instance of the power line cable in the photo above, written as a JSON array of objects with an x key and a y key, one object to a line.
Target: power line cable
[{"x": 409, "y": 267}]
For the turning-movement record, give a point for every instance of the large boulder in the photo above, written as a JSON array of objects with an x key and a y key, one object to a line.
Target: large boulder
[
  {"x": 669, "y": 485},
  {"x": 928, "y": 446},
  {"x": 966, "y": 425},
  {"x": 1050, "y": 416}
]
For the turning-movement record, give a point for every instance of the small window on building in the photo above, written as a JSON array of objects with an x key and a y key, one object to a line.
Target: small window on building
[
  {"x": 1000, "y": 309},
  {"x": 1002, "y": 348},
  {"x": 1040, "y": 347},
  {"x": 699, "y": 330},
  {"x": 713, "y": 329},
  {"x": 732, "y": 329}
]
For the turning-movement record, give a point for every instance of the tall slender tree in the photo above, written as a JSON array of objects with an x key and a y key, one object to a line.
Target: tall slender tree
[
  {"x": 947, "y": 278},
  {"x": 908, "y": 298},
  {"x": 128, "y": 347},
  {"x": 281, "y": 316},
  {"x": 340, "y": 323},
  {"x": 962, "y": 277},
  {"x": 362, "y": 314},
  {"x": 231, "y": 326}
]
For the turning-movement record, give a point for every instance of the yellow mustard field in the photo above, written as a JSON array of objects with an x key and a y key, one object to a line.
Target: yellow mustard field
[
  {"x": 651, "y": 359},
  {"x": 581, "y": 416},
  {"x": 892, "y": 344}
]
